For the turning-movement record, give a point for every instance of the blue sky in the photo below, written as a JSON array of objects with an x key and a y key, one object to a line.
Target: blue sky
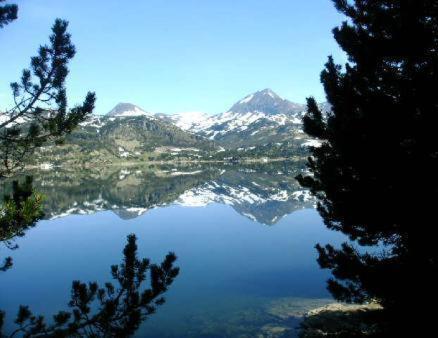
[{"x": 179, "y": 55}]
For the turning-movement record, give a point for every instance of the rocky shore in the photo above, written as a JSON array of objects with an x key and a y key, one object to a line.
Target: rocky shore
[{"x": 341, "y": 320}]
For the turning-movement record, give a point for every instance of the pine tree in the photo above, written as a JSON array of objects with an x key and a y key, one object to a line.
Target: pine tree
[
  {"x": 8, "y": 13},
  {"x": 39, "y": 115},
  {"x": 107, "y": 311},
  {"x": 40, "y": 112},
  {"x": 20, "y": 211},
  {"x": 375, "y": 175}
]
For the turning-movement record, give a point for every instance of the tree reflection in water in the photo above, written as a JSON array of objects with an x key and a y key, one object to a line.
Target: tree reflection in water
[
  {"x": 21, "y": 209},
  {"x": 95, "y": 311},
  {"x": 107, "y": 311}
]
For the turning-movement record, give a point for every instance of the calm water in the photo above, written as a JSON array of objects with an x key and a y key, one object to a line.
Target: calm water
[{"x": 244, "y": 238}]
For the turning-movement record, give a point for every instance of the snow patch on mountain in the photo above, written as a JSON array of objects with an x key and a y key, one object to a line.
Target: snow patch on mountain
[
  {"x": 188, "y": 120},
  {"x": 93, "y": 121},
  {"x": 6, "y": 117},
  {"x": 303, "y": 195},
  {"x": 247, "y": 99},
  {"x": 127, "y": 110}
]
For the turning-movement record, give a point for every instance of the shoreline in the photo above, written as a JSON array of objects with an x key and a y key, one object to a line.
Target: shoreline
[{"x": 50, "y": 166}]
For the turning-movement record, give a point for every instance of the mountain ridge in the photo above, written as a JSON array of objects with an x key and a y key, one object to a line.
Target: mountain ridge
[
  {"x": 260, "y": 118},
  {"x": 257, "y": 119},
  {"x": 261, "y": 124}
]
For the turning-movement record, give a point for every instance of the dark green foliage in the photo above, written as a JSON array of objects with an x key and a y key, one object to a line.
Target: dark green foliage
[
  {"x": 375, "y": 174},
  {"x": 313, "y": 120},
  {"x": 8, "y": 13},
  {"x": 40, "y": 112},
  {"x": 106, "y": 311},
  {"x": 20, "y": 211}
]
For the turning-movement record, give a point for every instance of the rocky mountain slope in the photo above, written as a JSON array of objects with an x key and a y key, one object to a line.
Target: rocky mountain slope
[
  {"x": 258, "y": 119},
  {"x": 125, "y": 135}
]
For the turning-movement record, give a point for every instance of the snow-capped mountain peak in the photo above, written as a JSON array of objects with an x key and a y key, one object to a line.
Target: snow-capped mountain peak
[
  {"x": 268, "y": 102},
  {"x": 259, "y": 95},
  {"x": 257, "y": 114},
  {"x": 270, "y": 93},
  {"x": 127, "y": 109}
]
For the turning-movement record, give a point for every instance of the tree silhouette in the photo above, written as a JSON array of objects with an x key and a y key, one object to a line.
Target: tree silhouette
[
  {"x": 8, "y": 13},
  {"x": 375, "y": 173},
  {"x": 107, "y": 311},
  {"x": 40, "y": 112},
  {"x": 20, "y": 211},
  {"x": 39, "y": 115}
]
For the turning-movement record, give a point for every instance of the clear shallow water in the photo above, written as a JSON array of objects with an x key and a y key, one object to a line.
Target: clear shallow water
[{"x": 239, "y": 277}]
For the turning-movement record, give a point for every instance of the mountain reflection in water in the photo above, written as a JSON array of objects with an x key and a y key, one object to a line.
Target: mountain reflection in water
[
  {"x": 263, "y": 193},
  {"x": 238, "y": 278}
]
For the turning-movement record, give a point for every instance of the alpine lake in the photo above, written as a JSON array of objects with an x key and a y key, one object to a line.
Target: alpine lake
[{"x": 244, "y": 236}]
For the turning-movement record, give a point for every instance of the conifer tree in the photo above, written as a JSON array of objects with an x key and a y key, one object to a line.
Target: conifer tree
[
  {"x": 8, "y": 13},
  {"x": 20, "y": 211},
  {"x": 107, "y": 311},
  {"x": 375, "y": 174},
  {"x": 39, "y": 113}
]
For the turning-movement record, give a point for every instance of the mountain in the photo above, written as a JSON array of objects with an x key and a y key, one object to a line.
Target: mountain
[
  {"x": 127, "y": 109},
  {"x": 259, "y": 125},
  {"x": 126, "y": 133},
  {"x": 187, "y": 120},
  {"x": 268, "y": 102},
  {"x": 257, "y": 119}
]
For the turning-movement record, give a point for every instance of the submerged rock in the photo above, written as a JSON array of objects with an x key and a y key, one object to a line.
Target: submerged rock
[
  {"x": 341, "y": 320},
  {"x": 287, "y": 308}
]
